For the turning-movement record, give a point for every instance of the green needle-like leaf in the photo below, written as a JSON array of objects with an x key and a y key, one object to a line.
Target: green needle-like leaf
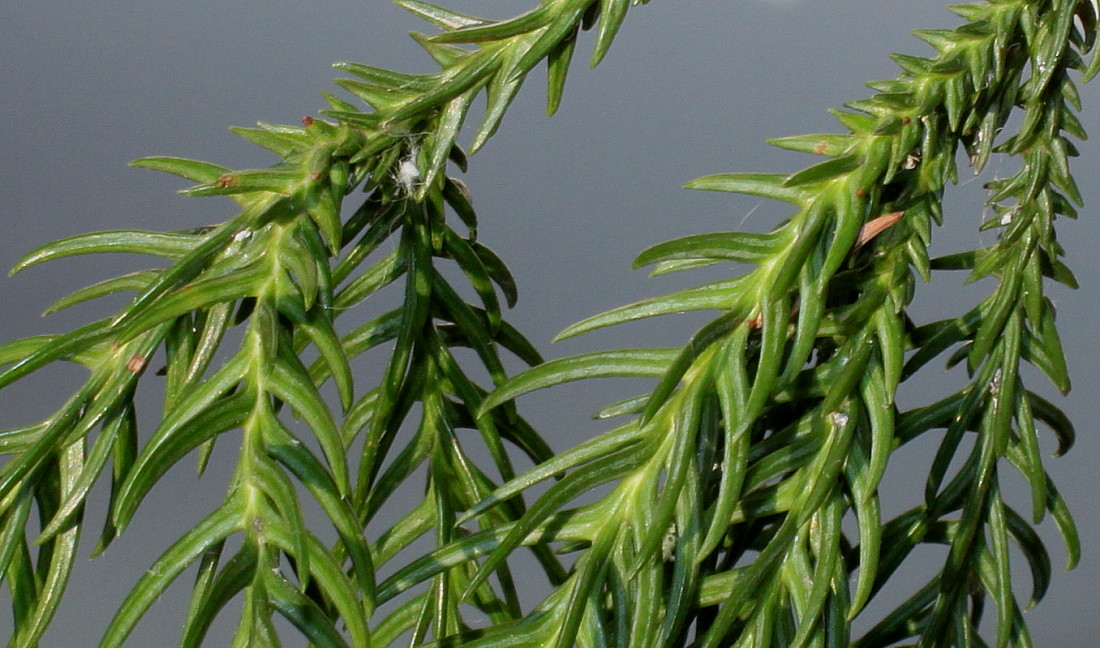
[
  {"x": 216, "y": 527},
  {"x": 172, "y": 246},
  {"x": 720, "y": 295},
  {"x": 642, "y": 363},
  {"x": 764, "y": 185}
]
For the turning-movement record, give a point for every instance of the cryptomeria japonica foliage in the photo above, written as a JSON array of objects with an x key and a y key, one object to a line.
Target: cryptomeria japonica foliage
[{"x": 735, "y": 504}]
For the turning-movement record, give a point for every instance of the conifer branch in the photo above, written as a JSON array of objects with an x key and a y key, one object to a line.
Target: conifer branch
[{"x": 727, "y": 485}]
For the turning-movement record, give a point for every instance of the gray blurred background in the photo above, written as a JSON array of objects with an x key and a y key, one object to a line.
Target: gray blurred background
[{"x": 690, "y": 88}]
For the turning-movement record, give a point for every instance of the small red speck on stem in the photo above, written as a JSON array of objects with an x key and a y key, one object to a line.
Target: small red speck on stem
[
  {"x": 307, "y": 121},
  {"x": 136, "y": 364},
  {"x": 226, "y": 181}
]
